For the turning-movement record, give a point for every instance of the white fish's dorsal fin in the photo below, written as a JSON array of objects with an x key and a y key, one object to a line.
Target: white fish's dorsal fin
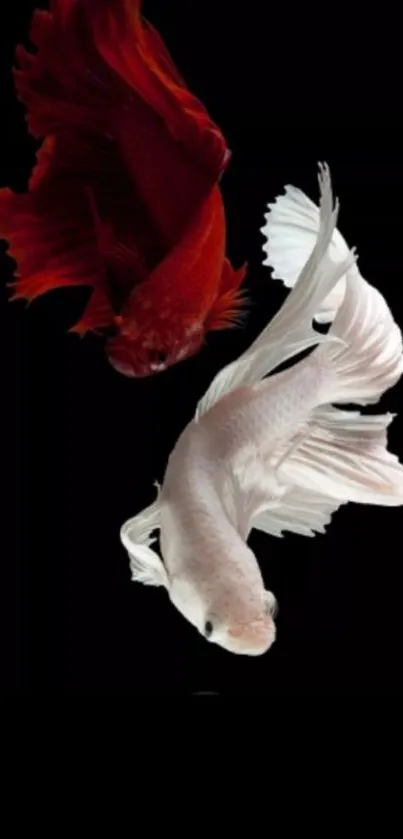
[
  {"x": 291, "y": 228},
  {"x": 290, "y": 331},
  {"x": 136, "y": 536}
]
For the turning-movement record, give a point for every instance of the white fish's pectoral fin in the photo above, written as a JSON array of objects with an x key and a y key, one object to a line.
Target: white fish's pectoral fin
[
  {"x": 147, "y": 567},
  {"x": 299, "y": 511},
  {"x": 290, "y": 331},
  {"x": 136, "y": 536}
]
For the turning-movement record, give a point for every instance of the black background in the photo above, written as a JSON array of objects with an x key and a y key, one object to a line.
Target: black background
[{"x": 81, "y": 445}]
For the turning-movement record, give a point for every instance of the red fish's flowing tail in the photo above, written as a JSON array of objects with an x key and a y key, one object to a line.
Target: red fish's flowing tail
[
  {"x": 53, "y": 250},
  {"x": 52, "y": 230},
  {"x": 52, "y": 238},
  {"x": 130, "y": 162}
]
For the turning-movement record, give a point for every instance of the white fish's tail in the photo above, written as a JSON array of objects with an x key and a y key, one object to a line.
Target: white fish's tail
[
  {"x": 291, "y": 229},
  {"x": 371, "y": 359}
]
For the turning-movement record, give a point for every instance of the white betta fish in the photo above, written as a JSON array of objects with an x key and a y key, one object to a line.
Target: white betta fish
[{"x": 273, "y": 453}]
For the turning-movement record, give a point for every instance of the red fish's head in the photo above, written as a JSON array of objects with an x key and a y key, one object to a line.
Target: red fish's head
[
  {"x": 156, "y": 329},
  {"x": 138, "y": 354}
]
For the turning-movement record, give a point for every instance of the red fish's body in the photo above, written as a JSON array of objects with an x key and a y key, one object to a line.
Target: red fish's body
[{"x": 124, "y": 197}]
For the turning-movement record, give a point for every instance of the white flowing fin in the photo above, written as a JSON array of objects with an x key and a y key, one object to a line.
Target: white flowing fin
[
  {"x": 369, "y": 361},
  {"x": 300, "y": 511},
  {"x": 290, "y": 330},
  {"x": 291, "y": 229},
  {"x": 345, "y": 457},
  {"x": 345, "y": 454},
  {"x": 136, "y": 536}
]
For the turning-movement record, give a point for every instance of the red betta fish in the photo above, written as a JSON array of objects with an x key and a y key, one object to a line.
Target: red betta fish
[{"x": 124, "y": 197}]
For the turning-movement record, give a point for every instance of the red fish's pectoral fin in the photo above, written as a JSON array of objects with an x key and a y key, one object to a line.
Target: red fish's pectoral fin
[
  {"x": 228, "y": 307},
  {"x": 98, "y": 314}
]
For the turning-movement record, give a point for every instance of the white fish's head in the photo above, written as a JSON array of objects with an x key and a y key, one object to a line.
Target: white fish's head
[
  {"x": 245, "y": 631},
  {"x": 251, "y": 637},
  {"x": 232, "y": 610}
]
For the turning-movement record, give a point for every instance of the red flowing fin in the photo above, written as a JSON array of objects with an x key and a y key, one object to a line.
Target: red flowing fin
[
  {"x": 91, "y": 82},
  {"x": 130, "y": 155},
  {"x": 41, "y": 27},
  {"x": 44, "y": 159},
  {"x": 165, "y": 61},
  {"x": 97, "y": 315},
  {"x": 228, "y": 308},
  {"x": 136, "y": 52},
  {"x": 188, "y": 118},
  {"x": 186, "y": 282},
  {"x": 49, "y": 239},
  {"x": 55, "y": 232}
]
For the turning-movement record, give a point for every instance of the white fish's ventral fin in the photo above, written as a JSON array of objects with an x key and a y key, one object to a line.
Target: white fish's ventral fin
[{"x": 136, "y": 536}]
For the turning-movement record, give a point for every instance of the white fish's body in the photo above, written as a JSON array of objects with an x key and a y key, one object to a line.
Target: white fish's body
[
  {"x": 203, "y": 529},
  {"x": 211, "y": 570},
  {"x": 273, "y": 453}
]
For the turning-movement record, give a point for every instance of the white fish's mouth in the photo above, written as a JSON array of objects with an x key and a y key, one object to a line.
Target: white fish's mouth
[{"x": 252, "y": 639}]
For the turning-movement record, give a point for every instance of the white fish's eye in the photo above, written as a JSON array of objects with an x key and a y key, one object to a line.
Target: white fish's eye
[{"x": 208, "y": 629}]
